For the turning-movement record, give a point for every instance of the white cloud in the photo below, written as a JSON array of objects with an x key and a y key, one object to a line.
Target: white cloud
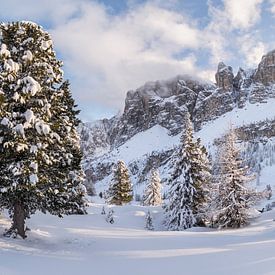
[
  {"x": 252, "y": 49},
  {"x": 220, "y": 34},
  {"x": 215, "y": 34},
  {"x": 272, "y": 6},
  {"x": 46, "y": 10},
  {"x": 243, "y": 14},
  {"x": 115, "y": 54},
  {"x": 107, "y": 54}
]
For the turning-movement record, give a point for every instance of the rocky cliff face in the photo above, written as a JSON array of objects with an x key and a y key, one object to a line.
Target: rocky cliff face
[
  {"x": 265, "y": 73},
  {"x": 165, "y": 103},
  {"x": 224, "y": 77}
]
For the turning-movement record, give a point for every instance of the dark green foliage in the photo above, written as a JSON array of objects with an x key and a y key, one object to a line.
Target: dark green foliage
[
  {"x": 120, "y": 190},
  {"x": 39, "y": 146}
]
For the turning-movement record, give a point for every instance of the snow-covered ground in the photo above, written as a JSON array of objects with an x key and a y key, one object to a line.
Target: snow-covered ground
[
  {"x": 88, "y": 245},
  {"x": 154, "y": 139},
  {"x": 251, "y": 113}
]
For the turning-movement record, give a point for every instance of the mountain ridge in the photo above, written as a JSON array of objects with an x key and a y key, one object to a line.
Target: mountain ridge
[{"x": 165, "y": 103}]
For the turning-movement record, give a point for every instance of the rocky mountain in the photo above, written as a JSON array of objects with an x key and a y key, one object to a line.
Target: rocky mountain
[{"x": 147, "y": 132}]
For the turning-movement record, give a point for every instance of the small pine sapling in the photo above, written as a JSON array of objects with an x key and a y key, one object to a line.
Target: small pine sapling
[
  {"x": 120, "y": 190},
  {"x": 149, "y": 221},
  {"x": 152, "y": 193},
  {"x": 268, "y": 192}
]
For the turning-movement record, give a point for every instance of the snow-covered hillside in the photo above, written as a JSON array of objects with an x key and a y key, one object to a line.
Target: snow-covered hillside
[
  {"x": 251, "y": 113},
  {"x": 147, "y": 133},
  {"x": 154, "y": 139},
  {"x": 88, "y": 245},
  {"x": 157, "y": 142}
]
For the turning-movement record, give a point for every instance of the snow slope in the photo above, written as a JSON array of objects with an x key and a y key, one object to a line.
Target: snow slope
[
  {"x": 88, "y": 245},
  {"x": 157, "y": 139},
  {"x": 154, "y": 139},
  {"x": 237, "y": 118}
]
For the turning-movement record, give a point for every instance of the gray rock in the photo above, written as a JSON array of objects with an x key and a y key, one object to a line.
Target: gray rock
[
  {"x": 265, "y": 73},
  {"x": 224, "y": 77}
]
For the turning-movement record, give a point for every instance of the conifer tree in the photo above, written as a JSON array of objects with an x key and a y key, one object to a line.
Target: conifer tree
[
  {"x": 39, "y": 145},
  {"x": 152, "y": 193},
  {"x": 201, "y": 170},
  {"x": 120, "y": 189},
  {"x": 179, "y": 213},
  {"x": 189, "y": 183},
  {"x": 234, "y": 198}
]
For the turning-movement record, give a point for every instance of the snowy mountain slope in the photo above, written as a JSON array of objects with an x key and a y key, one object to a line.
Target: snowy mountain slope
[
  {"x": 147, "y": 134},
  {"x": 251, "y": 113},
  {"x": 88, "y": 245},
  {"x": 156, "y": 140}
]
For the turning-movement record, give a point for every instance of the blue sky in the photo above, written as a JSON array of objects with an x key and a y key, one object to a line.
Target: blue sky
[{"x": 109, "y": 47}]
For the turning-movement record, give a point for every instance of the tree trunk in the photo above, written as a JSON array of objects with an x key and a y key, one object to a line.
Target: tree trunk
[{"x": 18, "y": 223}]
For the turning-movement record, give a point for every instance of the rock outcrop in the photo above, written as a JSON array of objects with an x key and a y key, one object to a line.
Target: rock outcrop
[
  {"x": 224, "y": 77},
  {"x": 265, "y": 73}
]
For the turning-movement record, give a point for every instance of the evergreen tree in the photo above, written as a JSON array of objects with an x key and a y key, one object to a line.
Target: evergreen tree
[
  {"x": 39, "y": 145},
  {"x": 234, "y": 198},
  {"x": 120, "y": 190},
  {"x": 152, "y": 194},
  {"x": 188, "y": 192},
  {"x": 179, "y": 213},
  {"x": 201, "y": 171}
]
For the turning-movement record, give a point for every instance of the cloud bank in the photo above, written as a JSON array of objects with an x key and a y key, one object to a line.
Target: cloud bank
[{"x": 107, "y": 53}]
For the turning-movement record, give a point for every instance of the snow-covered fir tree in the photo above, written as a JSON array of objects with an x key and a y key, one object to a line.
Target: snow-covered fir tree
[
  {"x": 178, "y": 208},
  {"x": 39, "y": 145},
  {"x": 189, "y": 183},
  {"x": 201, "y": 174},
  {"x": 152, "y": 193},
  {"x": 120, "y": 189},
  {"x": 233, "y": 197}
]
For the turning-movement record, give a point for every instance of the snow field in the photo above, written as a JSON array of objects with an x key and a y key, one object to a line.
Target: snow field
[{"x": 88, "y": 245}]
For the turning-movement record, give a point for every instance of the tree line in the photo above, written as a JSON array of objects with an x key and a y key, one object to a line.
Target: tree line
[{"x": 200, "y": 193}]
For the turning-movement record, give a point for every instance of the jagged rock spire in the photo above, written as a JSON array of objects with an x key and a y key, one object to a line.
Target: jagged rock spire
[
  {"x": 224, "y": 77},
  {"x": 266, "y": 69}
]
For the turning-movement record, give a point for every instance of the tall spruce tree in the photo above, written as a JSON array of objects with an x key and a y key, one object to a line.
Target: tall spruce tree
[
  {"x": 39, "y": 145},
  {"x": 189, "y": 183},
  {"x": 152, "y": 193},
  {"x": 120, "y": 189},
  {"x": 201, "y": 170},
  {"x": 233, "y": 198}
]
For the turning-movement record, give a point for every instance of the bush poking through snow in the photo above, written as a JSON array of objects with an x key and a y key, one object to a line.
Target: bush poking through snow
[
  {"x": 268, "y": 192},
  {"x": 149, "y": 221},
  {"x": 110, "y": 216}
]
